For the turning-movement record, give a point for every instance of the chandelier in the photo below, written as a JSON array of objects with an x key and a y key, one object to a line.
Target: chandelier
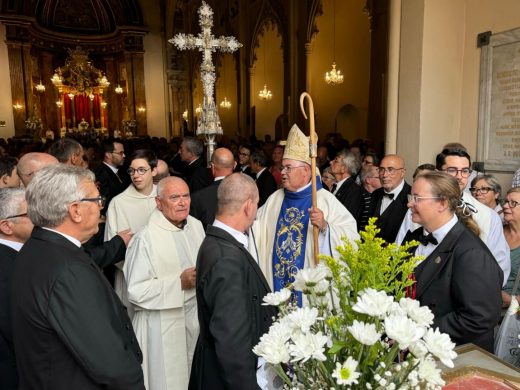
[
  {"x": 334, "y": 76},
  {"x": 79, "y": 76},
  {"x": 40, "y": 87},
  {"x": 265, "y": 94},
  {"x": 118, "y": 89},
  {"x": 225, "y": 103}
]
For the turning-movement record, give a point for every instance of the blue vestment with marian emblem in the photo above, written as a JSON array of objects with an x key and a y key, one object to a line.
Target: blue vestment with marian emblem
[{"x": 290, "y": 237}]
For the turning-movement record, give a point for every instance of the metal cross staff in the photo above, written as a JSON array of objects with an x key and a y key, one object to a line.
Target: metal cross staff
[{"x": 209, "y": 121}]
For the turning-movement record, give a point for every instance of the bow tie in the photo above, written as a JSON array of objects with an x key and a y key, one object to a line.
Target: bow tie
[
  {"x": 425, "y": 239},
  {"x": 389, "y": 196}
]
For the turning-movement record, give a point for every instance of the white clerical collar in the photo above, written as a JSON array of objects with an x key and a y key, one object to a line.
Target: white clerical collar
[
  {"x": 70, "y": 238},
  {"x": 113, "y": 169},
  {"x": 304, "y": 187},
  {"x": 397, "y": 190},
  {"x": 219, "y": 178},
  {"x": 259, "y": 173},
  {"x": 12, "y": 244},
  {"x": 441, "y": 232},
  {"x": 239, "y": 236}
]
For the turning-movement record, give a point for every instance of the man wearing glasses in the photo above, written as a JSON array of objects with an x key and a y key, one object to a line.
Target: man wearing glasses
[
  {"x": 388, "y": 203},
  {"x": 457, "y": 163},
  {"x": 283, "y": 230},
  {"x": 15, "y": 229},
  {"x": 69, "y": 328},
  {"x": 108, "y": 175},
  {"x": 132, "y": 207}
]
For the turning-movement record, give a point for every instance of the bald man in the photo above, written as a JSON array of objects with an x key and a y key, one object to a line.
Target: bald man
[
  {"x": 160, "y": 274},
  {"x": 389, "y": 202},
  {"x": 31, "y": 163},
  {"x": 204, "y": 202}
]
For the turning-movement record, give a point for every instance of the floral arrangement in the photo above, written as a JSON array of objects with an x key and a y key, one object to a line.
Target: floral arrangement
[{"x": 357, "y": 330}]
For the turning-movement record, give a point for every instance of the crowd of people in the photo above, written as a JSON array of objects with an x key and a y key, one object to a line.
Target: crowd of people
[{"x": 133, "y": 264}]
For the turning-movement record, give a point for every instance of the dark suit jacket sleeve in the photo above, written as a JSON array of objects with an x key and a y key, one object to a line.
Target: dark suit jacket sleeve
[
  {"x": 110, "y": 252},
  {"x": 89, "y": 327},
  {"x": 475, "y": 283},
  {"x": 225, "y": 289}
]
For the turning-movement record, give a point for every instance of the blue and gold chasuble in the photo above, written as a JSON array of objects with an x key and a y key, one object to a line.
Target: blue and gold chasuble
[{"x": 290, "y": 237}]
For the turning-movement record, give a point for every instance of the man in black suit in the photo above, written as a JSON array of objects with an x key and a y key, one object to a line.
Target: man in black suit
[
  {"x": 264, "y": 179},
  {"x": 388, "y": 203},
  {"x": 459, "y": 279},
  {"x": 195, "y": 174},
  {"x": 15, "y": 229},
  {"x": 108, "y": 173},
  {"x": 70, "y": 329},
  {"x": 244, "y": 160},
  {"x": 230, "y": 289},
  {"x": 204, "y": 202},
  {"x": 345, "y": 167}
]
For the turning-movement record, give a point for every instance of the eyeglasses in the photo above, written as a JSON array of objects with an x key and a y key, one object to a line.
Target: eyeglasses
[
  {"x": 390, "y": 170},
  {"x": 511, "y": 203},
  {"x": 121, "y": 153},
  {"x": 17, "y": 216},
  {"x": 482, "y": 190},
  {"x": 140, "y": 171},
  {"x": 100, "y": 200},
  {"x": 464, "y": 172},
  {"x": 290, "y": 168},
  {"x": 416, "y": 199}
]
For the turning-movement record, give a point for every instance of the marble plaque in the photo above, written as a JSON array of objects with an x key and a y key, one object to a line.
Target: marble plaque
[{"x": 499, "y": 110}]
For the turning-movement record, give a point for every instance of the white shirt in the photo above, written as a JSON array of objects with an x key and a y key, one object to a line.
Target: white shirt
[
  {"x": 12, "y": 244},
  {"x": 385, "y": 202},
  {"x": 339, "y": 183},
  {"x": 70, "y": 238},
  {"x": 259, "y": 173},
  {"x": 113, "y": 169},
  {"x": 239, "y": 236},
  {"x": 439, "y": 235}
]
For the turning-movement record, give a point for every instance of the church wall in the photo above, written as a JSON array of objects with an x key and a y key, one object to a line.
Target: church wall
[
  {"x": 352, "y": 58},
  {"x": 155, "y": 72},
  {"x": 6, "y": 104}
]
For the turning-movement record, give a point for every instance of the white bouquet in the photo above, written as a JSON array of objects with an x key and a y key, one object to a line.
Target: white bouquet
[{"x": 357, "y": 330}]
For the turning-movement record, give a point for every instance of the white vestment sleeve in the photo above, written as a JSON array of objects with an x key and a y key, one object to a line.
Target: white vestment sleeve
[
  {"x": 497, "y": 244},
  {"x": 145, "y": 289}
]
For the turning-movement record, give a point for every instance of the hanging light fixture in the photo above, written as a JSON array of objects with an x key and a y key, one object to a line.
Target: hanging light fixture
[
  {"x": 40, "y": 87},
  {"x": 334, "y": 76},
  {"x": 118, "y": 89},
  {"x": 225, "y": 103},
  {"x": 265, "y": 94}
]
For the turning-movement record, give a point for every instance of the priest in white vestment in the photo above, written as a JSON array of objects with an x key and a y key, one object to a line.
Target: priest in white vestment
[
  {"x": 281, "y": 236},
  {"x": 160, "y": 274},
  {"x": 132, "y": 208}
]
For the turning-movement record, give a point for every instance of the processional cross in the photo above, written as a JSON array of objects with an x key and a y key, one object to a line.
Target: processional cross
[{"x": 209, "y": 122}]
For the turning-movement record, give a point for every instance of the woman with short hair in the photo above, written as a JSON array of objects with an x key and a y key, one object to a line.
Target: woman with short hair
[{"x": 487, "y": 190}]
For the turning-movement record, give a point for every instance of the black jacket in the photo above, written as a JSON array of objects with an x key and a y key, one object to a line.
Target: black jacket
[
  {"x": 110, "y": 184},
  {"x": 461, "y": 283},
  {"x": 197, "y": 175},
  {"x": 70, "y": 329},
  {"x": 266, "y": 186},
  {"x": 8, "y": 374},
  {"x": 204, "y": 204},
  {"x": 230, "y": 289},
  {"x": 351, "y": 196},
  {"x": 392, "y": 218}
]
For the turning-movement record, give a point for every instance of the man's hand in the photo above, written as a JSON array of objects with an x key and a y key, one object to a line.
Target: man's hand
[
  {"x": 317, "y": 218},
  {"x": 188, "y": 278},
  {"x": 126, "y": 235}
]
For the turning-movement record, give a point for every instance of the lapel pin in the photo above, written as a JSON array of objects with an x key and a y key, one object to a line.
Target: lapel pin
[{"x": 437, "y": 260}]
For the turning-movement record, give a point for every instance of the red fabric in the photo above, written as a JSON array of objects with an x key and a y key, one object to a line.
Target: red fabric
[{"x": 411, "y": 291}]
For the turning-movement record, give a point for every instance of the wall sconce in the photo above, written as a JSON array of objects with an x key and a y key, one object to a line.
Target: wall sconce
[
  {"x": 40, "y": 87},
  {"x": 141, "y": 109},
  {"x": 59, "y": 103},
  {"x": 103, "y": 104},
  {"x": 118, "y": 89},
  {"x": 17, "y": 106}
]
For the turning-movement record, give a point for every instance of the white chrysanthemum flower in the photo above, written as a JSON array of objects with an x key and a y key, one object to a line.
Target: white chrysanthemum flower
[
  {"x": 403, "y": 330},
  {"x": 427, "y": 371},
  {"x": 277, "y": 298},
  {"x": 346, "y": 373},
  {"x": 302, "y": 318},
  {"x": 441, "y": 346},
  {"x": 273, "y": 349},
  {"x": 418, "y": 349},
  {"x": 420, "y": 314},
  {"x": 321, "y": 287},
  {"x": 308, "y": 345},
  {"x": 372, "y": 302},
  {"x": 396, "y": 310},
  {"x": 280, "y": 331},
  {"x": 307, "y": 278},
  {"x": 364, "y": 333}
]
